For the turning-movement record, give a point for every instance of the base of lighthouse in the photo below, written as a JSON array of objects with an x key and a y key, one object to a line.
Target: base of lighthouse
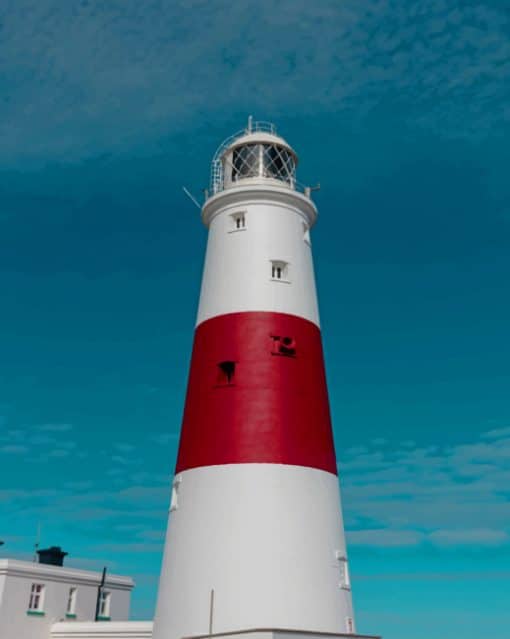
[{"x": 265, "y": 551}]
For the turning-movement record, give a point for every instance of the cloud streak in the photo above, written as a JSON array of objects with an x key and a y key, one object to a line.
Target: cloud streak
[
  {"x": 445, "y": 496},
  {"x": 88, "y": 78}
]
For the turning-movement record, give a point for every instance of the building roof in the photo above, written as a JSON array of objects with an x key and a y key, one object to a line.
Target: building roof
[{"x": 28, "y": 569}]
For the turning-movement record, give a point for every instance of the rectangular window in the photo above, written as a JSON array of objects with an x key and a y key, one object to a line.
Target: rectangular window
[
  {"x": 344, "y": 574},
  {"x": 306, "y": 234},
  {"x": 349, "y": 625},
  {"x": 283, "y": 345},
  {"x": 279, "y": 270},
  {"x": 174, "y": 504},
  {"x": 36, "y": 601},
  {"x": 238, "y": 221},
  {"x": 345, "y": 581},
  {"x": 104, "y": 604},
  {"x": 71, "y": 603}
]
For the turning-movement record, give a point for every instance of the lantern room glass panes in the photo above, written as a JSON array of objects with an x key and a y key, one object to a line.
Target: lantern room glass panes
[
  {"x": 278, "y": 163},
  {"x": 246, "y": 161},
  {"x": 263, "y": 160}
]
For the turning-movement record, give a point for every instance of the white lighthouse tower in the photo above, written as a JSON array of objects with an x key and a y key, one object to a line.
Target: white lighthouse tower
[{"x": 255, "y": 540}]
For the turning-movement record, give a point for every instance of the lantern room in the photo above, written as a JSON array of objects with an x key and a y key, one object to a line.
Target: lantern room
[{"x": 255, "y": 154}]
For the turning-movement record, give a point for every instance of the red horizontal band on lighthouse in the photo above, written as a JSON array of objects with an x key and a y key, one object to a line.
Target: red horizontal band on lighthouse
[{"x": 257, "y": 394}]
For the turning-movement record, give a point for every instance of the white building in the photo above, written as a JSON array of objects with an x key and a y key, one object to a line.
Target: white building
[{"x": 36, "y": 596}]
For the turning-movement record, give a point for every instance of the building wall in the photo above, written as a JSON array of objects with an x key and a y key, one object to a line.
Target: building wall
[
  {"x": 18, "y": 578},
  {"x": 2, "y": 584},
  {"x": 103, "y": 630}
]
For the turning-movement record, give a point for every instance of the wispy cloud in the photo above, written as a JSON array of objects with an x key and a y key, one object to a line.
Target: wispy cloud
[
  {"x": 385, "y": 537},
  {"x": 96, "y": 77},
  {"x": 455, "y": 495},
  {"x": 38, "y": 442},
  {"x": 13, "y": 449},
  {"x": 476, "y": 536},
  {"x": 54, "y": 428},
  {"x": 165, "y": 438}
]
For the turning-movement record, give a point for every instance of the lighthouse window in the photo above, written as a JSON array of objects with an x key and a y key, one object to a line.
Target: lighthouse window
[
  {"x": 345, "y": 581},
  {"x": 174, "y": 503},
  {"x": 226, "y": 373},
  {"x": 238, "y": 221},
  {"x": 349, "y": 625},
  {"x": 263, "y": 160},
  {"x": 306, "y": 234},
  {"x": 246, "y": 161},
  {"x": 279, "y": 271},
  {"x": 278, "y": 163},
  {"x": 283, "y": 345}
]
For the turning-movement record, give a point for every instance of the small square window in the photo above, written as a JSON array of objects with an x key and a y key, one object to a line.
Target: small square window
[
  {"x": 279, "y": 270},
  {"x": 104, "y": 604},
  {"x": 226, "y": 373},
  {"x": 283, "y": 345},
  {"x": 71, "y": 602},
  {"x": 238, "y": 221},
  {"x": 36, "y": 601}
]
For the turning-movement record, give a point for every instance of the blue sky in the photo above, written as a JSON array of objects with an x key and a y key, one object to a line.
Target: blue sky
[{"x": 400, "y": 110}]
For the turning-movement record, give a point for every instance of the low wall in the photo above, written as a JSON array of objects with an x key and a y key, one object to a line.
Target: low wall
[{"x": 102, "y": 630}]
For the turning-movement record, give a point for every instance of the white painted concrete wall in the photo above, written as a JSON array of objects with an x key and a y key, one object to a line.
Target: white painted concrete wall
[
  {"x": 237, "y": 270},
  {"x": 102, "y": 630},
  {"x": 279, "y": 633},
  {"x": 264, "y": 537},
  {"x": 2, "y": 587},
  {"x": 18, "y": 577}
]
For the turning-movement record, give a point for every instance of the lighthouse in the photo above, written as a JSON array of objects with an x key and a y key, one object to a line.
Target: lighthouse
[{"x": 255, "y": 538}]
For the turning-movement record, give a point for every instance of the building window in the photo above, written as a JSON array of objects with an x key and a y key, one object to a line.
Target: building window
[
  {"x": 345, "y": 580},
  {"x": 174, "y": 504},
  {"x": 36, "y": 601},
  {"x": 71, "y": 603},
  {"x": 246, "y": 161},
  {"x": 238, "y": 221},
  {"x": 283, "y": 345},
  {"x": 344, "y": 574},
  {"x": 263, "y": 160},
  {"x": 104, "y": 605},
  {"x": 279, "y": 270},
  {"x": 306, "y": 234},
  {"x": 226, "y": 372},
  {"x": 349, "y": 625}
]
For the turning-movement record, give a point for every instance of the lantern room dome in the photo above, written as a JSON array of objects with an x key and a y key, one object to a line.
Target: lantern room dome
[{"x": 254, "y": 154}]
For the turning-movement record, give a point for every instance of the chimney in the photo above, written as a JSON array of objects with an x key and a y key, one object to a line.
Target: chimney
[{"x": 53, "y": 556}]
